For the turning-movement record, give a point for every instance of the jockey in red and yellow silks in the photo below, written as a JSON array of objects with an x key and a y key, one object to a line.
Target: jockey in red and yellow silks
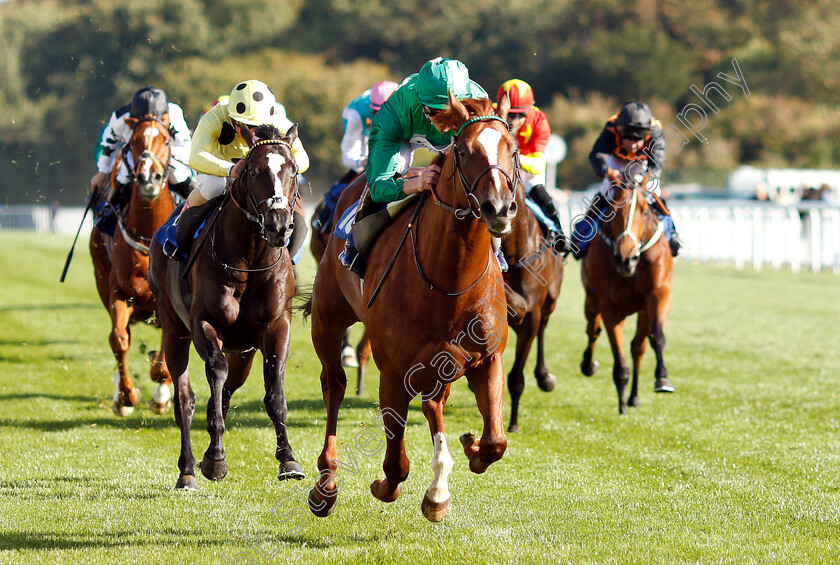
[{"x": 530, "y": 126}]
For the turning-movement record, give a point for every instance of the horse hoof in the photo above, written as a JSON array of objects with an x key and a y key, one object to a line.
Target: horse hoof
[
  {"x": 435, "y": 511},
  {"x": 348, "y": 357},
  {"x": 633, "y": 402},
  {"x": 547, "y": 382},
  {"x": 467, "y": 440},
  {"x": 589, "y": 369},
  {"x": 213, "y": 470},
  {"x": 187, "y": 482},
  {"x": 514, "y": 429},
  {"x": 122, "y": 410},
  {"x": 158, "y": 372},
  {"x": 321, "y": 508},
  {"x": 161, "y": 400},
  {"x": 375, "y": 487},
  {"x": 663, "y": 385},
  {"x": 160, "y": 409},
  {"x": 290, "y": 470}
]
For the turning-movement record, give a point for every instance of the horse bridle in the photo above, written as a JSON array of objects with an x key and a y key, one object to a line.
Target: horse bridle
[
  {"x": 132, "y": 174},
  {"x": 468, "y": 188},
  {"x": 273, "y": 202},
  {"x": 628, "y": 232}
]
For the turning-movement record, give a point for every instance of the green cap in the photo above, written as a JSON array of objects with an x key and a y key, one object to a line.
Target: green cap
[{"x": 438, "y": 77}]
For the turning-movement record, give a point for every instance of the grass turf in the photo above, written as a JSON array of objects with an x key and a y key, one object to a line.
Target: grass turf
[{"x": 739, "y": 466}]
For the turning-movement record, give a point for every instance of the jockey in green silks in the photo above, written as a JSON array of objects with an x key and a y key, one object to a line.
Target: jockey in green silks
[{"x": 402, "y": 125}]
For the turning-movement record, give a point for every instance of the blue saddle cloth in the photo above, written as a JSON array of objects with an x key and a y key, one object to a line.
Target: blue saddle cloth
[
  {"x": 105, "y": 218},
  {"x": 345, "y": 222},
  {"x": 544, "y": 220}
]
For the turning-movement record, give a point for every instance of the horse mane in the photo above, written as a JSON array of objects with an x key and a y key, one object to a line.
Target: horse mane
[
  {"x": 267, "y": 131},
  {"x": 449, "y": 119}
]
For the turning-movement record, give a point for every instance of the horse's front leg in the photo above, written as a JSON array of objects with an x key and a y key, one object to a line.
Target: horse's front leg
[
  {"x": 178, "y": 347},
  {"x": 206, "y": 341},
  {"x": 488, "y": 385},
  {"x": 275, "y": 355},
  {"x": 126, "y": 395},
  {"x": 621, "y": 370},
  {"x": 362, "y": 355},
  {"x": 437, "y": 500},
  {"x": 637, "y": 350},
  {"x": 592, "y": 310},
  {"x": 525, "y": 334},
  {"x": 161, "y": 398},
  {"x": 545, "y": 380},
  {"x": 658, "y": 304}
]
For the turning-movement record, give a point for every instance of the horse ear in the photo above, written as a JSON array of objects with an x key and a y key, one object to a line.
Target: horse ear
[
  {"x": 131, "y": 122},
  {"x": 292, "y": 134},
  {"x": 503, "y": 107},
  {"x": 246, "y": 133},
  {"x": 458, "y": 109}
]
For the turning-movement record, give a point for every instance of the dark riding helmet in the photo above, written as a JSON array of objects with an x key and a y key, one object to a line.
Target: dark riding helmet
[
  {"x": 149, "y": 100},
  {"x": 634, "y": 120}
]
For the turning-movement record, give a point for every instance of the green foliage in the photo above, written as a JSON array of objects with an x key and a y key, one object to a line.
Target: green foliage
[{"x": 65, "y": 65}]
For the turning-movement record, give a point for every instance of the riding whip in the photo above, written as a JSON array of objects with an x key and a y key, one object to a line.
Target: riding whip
[{"x": 70, "y": 254}]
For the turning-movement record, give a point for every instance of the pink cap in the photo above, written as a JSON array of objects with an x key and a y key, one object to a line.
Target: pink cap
[{"x": 380, "y": 93}]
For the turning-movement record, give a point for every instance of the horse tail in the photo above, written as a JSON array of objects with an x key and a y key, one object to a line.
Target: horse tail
[{"x": 304, "y": 292}]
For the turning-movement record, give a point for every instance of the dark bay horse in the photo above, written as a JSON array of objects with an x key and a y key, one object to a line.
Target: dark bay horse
[
  {"x": 121, "y": 262},
  {"x": 534, "y": 277},
  {"x": 627, "y": 270},
  {"x": 359, "y": 357},
  {"x": 439, "y": 315},
  {"x": 237, "y": 298}
]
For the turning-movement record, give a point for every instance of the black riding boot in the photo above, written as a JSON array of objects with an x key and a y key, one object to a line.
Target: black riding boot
[
  {"x": 182, "y": 188},
  {"x": 350, "y": 257},
  {"x": 540, "y": 195}
]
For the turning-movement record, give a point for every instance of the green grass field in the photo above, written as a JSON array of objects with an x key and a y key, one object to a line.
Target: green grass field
[{"x": 739, "y": 466}]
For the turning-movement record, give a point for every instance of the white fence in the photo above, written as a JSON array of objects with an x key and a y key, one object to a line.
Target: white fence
[{"x": 733, "y": 231}]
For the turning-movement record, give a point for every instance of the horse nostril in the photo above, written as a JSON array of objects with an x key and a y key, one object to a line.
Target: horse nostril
[
  {"x": 512, "y": 209},
  {"x": 489, "y": 209}
]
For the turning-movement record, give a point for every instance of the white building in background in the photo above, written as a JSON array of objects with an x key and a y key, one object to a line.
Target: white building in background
[{"x": 784, "y": 186}]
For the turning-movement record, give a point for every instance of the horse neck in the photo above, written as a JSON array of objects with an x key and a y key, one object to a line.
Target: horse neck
[
  {"x": 524, "y": 234},
  {"x": 146, "y": 216}
]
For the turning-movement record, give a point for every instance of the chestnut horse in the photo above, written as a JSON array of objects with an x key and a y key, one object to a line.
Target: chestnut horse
[
  {"x": 236, "y": 298},
  {"x": 121, "y": 262},
  {"x": 357, "y": 358},
  {"x": 439, "y": 315},
  {"x": 627, "y": 270},
  {"x": 534, "y": 276}
]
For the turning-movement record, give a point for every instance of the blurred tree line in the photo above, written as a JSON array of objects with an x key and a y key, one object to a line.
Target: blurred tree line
[{"x": 65, "y": 65}]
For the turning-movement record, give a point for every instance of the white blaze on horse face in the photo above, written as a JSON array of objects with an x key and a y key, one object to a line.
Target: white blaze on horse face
[
  {"x": 442, "y": 463},
  {"x": 150, "y": 133},
  {"x": 490, "y": 138},
  {"x": 275, "y": 165}
]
